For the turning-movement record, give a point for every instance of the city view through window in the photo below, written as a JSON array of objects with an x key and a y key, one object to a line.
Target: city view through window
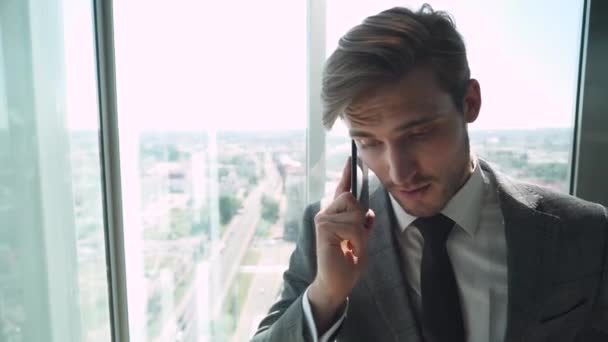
[{"x": 212, "y": 111}]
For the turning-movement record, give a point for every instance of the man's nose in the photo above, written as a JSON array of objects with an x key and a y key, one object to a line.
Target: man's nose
[{"x": 402, "y": 165}]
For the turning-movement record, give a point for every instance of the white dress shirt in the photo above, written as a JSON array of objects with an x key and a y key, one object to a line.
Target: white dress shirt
[{"x": 477, "y": 250}]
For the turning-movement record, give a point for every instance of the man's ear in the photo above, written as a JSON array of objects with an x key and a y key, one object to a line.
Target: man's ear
[{"x": 472, "y": 101}]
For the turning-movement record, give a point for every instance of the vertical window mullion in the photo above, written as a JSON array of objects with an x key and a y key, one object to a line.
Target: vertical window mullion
[
  {"x": 110, "y": 160},
  {"x": 315, "y": 133},
  {"x": 592, "y": 123}
]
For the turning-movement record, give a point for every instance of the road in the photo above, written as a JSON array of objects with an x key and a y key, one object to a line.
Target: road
[
  {"x": 266, "y": 283},
  {"x": 231, "y": 249},
  {"x": 238, "y": 236}
]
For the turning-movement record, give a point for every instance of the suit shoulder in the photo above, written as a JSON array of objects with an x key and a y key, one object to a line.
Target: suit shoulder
[
  {"x": 567, "y": 206},
  {"x": 311, "y": 210}
]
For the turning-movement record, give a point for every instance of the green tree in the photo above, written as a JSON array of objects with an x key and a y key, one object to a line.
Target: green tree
[
  {"x": 550, "y": 171},
  {"x": 270, "y": 209},
  {"x": 229, "y": 206}
]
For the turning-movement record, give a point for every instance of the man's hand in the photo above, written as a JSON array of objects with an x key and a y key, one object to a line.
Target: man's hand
[{"x": 342, "y": 231}]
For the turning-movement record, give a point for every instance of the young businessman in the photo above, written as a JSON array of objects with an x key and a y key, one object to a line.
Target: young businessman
[{"x": 450, "y": 249}]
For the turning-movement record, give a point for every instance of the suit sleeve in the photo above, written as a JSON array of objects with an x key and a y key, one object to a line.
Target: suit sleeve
[
  {"x": 597, "y": 329},
  {"x": 285, "y": 320}
]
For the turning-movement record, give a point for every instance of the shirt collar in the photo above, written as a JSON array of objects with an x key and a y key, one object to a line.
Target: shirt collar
[{"x": 464, "y": 207}]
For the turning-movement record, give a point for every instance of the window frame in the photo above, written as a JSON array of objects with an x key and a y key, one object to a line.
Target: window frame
[
  {"x": 588, "y": 169},
  {"x": 110, "y": 169},
  {"x": 315, "y": 132}
]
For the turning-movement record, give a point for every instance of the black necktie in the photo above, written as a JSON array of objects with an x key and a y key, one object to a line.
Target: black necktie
[{"x": 441, "y": 314}]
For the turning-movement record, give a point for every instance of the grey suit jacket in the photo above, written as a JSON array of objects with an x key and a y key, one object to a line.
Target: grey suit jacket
[{"x": 557, "y": 257}]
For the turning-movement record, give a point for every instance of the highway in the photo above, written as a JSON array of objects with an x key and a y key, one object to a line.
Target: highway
[{"x": 229, "y": 252}]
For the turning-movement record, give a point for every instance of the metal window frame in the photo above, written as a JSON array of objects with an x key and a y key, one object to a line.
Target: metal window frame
[
  {"x": 110, "y": 168},
  {"x": 591, "y": 127},
  {"x": 315, "y": 132}
]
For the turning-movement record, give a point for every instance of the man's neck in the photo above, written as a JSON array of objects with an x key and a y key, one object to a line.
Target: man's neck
[{"x": 468, "y": 171}]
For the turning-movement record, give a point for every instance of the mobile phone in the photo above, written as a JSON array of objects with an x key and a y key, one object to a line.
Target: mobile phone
[
  {"x": 360, "y": 193},
  {"x": 353, "y": 168}
]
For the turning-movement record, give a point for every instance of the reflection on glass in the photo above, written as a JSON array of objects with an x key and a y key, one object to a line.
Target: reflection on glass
[{"x": 53, "y": 284}]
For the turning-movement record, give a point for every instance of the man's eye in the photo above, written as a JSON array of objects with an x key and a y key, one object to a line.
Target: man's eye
[
  {"x": 364, "y": 143},
  {"x": 419, "y": 135}
]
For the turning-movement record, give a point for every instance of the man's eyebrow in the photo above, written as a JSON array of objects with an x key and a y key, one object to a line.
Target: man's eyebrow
[
  {"x": 416, "y": 122},
  {"x": 405, "y": 126},
  {"x": 355, "y": 133}
]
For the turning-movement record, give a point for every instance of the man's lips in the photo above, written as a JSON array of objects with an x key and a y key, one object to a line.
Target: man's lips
[
  {"x": 414, "y": 193},
  {"x": 412, "y": 190}
]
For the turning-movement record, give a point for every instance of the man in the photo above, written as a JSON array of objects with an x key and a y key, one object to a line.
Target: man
[{"x": 450, "y": 249}]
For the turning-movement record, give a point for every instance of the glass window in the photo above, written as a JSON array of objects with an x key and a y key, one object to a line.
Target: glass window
[
  {"x": 525, "y": 56},
  {"x": 53, "y": 284},
  {"x": 212, "y": 115}
]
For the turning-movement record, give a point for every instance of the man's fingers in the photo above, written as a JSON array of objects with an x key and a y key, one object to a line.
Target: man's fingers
[
  {"x": 350, "y": 253},
  {"x": 343, "y": 227},
  {"x": 344, "y": 183},
  {"x": 343, "y": 202},
  {"x": 353, "y": 218}
]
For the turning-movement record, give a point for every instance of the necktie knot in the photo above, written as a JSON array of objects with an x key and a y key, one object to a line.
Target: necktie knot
[{"x": 435, "y": 229}]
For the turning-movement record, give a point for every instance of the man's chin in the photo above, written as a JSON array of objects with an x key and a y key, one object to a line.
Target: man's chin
[
  {"x": 420, "y": 208},
  {"x": 422, "y": 212}
]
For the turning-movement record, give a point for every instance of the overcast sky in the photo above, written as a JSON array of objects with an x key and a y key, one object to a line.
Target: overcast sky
[{"x": 242, "y": 64}]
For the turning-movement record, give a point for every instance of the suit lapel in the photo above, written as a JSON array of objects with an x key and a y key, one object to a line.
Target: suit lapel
[
  {"x": 531, "y": 247},
  {"x": 383, "y": 276}
]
